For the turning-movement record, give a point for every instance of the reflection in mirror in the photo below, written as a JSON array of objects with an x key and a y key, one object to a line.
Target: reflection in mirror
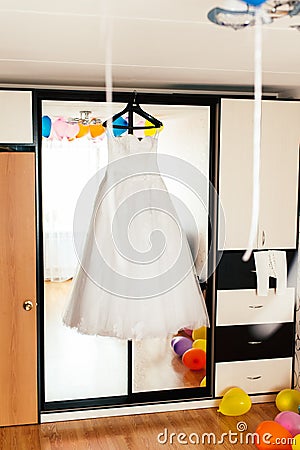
[{"x": 80, "y": 366}]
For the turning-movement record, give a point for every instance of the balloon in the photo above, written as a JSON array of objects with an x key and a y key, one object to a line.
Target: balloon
[
  {"x": 60, "y": 127},
  {"x": 288, "y": 400},
  {"x": 119, "y": 131},
  {"x": 83, "y": 130},
  {"x": 176, "y": 339},
  {"x": 140, "y": 133},
  {"x": 203, "y": 382},
  {"x": 72, "y": 130},
  {"x": 181, "y": 345},
  {"x": 271, "y": 434},
  {"x": 235, "y": 402},
  {"x": 188, "y": 331},
  {"x": 46, "y": 126},
  {"x": 151, "y": 131},
  {"x": 200, "y": 343},
  {"x": 194, "y": 359},
  {"x": 254, "y": 2},
  {"x": 296, "y": 444},
  {"x": 199, "y": 333},
  {"x": 96, "y": 129},
  {"x": 290, "y": 421}
]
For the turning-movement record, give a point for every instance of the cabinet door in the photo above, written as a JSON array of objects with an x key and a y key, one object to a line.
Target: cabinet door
[
  {"x": 16, "y": 117},
  {"x": 18, "y": 341},
  {"x": 279, "y": 174},
  {"x": 255, "y": 377},
  {"x": 235, "y": 174}
]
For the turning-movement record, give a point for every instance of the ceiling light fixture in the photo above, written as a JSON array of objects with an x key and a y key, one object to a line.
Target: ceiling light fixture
[{"x": 238, "y": 14}]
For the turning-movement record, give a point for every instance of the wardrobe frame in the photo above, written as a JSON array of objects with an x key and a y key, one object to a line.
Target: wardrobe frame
[{"x": 142, "y": 398}]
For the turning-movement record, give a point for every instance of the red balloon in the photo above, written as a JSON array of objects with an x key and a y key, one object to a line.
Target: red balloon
[
  {"x": 194, "y": 359},
  {"x": 271, "y": 434}
]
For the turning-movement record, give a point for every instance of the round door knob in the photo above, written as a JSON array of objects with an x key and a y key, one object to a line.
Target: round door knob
[{"x": 28, "y": 305}]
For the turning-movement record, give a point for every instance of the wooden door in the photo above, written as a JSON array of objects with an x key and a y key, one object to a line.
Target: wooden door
[{"x": 18, "y": 339}]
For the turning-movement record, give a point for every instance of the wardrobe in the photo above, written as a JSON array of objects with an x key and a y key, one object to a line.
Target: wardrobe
[{"x": 252, "y": 337}]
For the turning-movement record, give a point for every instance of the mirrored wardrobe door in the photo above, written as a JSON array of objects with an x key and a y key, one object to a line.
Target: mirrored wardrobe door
[{"x": 77, "y": 366}]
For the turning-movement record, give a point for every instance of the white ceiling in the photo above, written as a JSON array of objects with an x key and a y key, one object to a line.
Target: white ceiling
[{"x": 154, "y": 44}]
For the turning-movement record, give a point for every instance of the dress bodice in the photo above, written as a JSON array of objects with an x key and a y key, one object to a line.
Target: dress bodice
[{"x": 121, "y": 146}]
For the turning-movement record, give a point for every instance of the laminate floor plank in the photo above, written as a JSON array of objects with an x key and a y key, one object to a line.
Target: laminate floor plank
[{"x": 140, "y": 432}]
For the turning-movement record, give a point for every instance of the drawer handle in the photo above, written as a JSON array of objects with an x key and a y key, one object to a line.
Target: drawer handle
[
  {"x": 254, "y": 378},
  {"x": 254, "y": 342},
  {"x": 256, "y": 306},
  {"x": 263, "y": 238}
]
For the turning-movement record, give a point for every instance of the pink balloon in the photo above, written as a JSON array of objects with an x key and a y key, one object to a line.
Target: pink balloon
[
  {"x": 188, "y": 331},
  {"x": 72, "y": 130},
  {"x": 182, "y": 345},
  {"x": 290, "y": 421},
  {"x": 60, "y": 127}
]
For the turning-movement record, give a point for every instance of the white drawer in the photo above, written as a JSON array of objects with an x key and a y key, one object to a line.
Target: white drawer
[
  {"x": 255, "y": 376},
  {"x": 239, "y": 307}
]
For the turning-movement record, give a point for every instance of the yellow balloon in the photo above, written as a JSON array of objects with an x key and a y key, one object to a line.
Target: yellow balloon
[
  {"x": 288, "y": 400},
  {"x": 203, "y": 382},
  {"x": 235, "y": 403},
  {"x": 151, "y": 131},
  {"x": 199, "y": 333},
  {"x": 296, "y": 444},
  {"x": 200, "y": 343}
]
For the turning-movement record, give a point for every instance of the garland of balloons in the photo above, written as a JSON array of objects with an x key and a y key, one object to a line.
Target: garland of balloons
[{"x": 61, "y": 128}]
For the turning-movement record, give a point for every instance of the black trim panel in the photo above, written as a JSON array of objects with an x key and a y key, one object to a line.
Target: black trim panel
[
  {"x": 248, "y": 342},
  {"x": 234, "y": 273}
]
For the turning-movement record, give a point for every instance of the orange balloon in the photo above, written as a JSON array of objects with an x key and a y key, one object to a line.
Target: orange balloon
[
  {"x": 96, "y": 129},
  {"x": 83, "y": 130},
  {"x": 194, "y": 359},
  {"x": 271, "y": 434}
]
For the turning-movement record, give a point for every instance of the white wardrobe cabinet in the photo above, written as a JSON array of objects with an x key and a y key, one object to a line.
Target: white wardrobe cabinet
[
  {"x": 16, "y": 117},
  {"x": 279, "y": 165}
]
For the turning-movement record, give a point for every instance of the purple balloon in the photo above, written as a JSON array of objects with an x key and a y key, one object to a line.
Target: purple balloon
[
  {"x": 182, "y": 345},
  {"x": 290, "y": 421},
  {"x": 174, "y": 340}
]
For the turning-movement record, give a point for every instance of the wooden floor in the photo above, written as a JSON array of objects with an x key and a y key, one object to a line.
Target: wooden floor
[{"x": 137, "y": 432}]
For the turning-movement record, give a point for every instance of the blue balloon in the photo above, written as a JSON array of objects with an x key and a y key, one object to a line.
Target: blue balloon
[
  {"x": 119, "y": 131},
  {"x": 46, "y": 126},
  {"x": 254, "y": 2}
]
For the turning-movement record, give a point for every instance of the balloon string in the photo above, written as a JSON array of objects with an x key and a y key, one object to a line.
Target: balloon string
[
  {"x": 108, "y": 33},
  {"x": 256, "y": 133}
]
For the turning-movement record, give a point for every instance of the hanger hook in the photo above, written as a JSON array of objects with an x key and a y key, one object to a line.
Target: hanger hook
[{"x": 134, "y": 96}]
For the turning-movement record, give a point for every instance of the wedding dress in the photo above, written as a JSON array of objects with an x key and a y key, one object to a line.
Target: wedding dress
[{"x": 136, "y": 278}]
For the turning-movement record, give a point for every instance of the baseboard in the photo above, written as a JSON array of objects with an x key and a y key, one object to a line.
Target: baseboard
[{"x": 142, "y": 409}]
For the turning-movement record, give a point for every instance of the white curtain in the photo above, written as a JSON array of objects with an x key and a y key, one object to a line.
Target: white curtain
[{"x": 66, "y": 168}]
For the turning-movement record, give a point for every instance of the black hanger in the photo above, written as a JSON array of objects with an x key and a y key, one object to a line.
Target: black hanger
[{"x": 133, "y": 107}]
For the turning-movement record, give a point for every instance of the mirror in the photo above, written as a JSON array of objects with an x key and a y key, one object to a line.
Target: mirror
[{"x": 79, "y": 366}]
